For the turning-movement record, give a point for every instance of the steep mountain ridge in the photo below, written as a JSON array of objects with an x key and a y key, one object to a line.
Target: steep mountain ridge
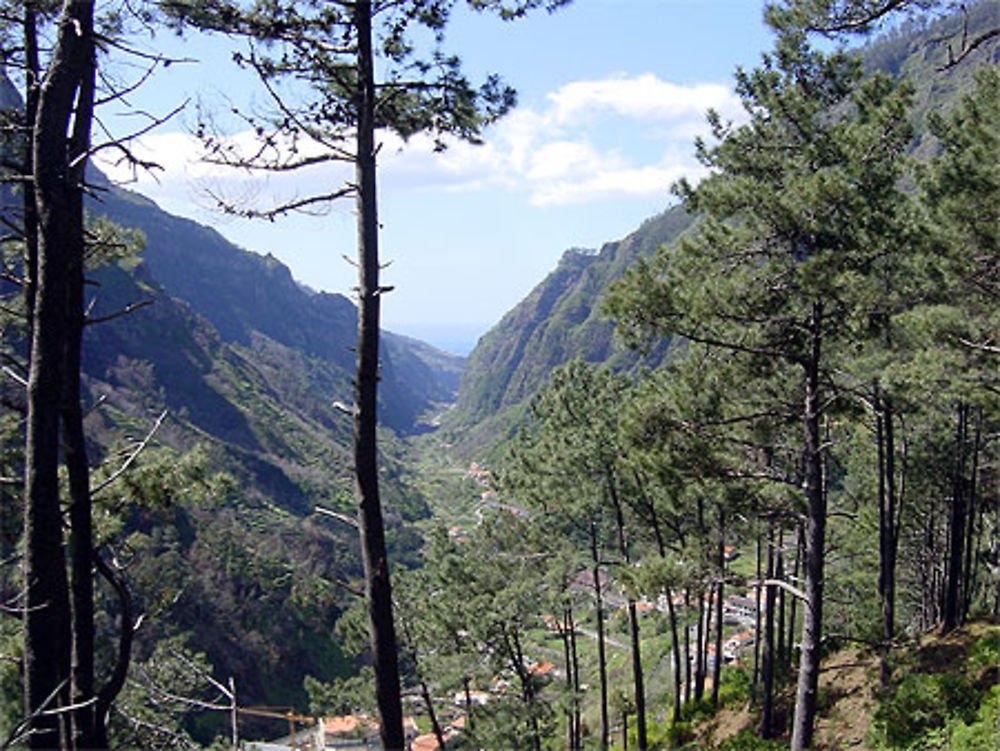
[
  {"x": 244, "y": 295},
  {"x": 559, "y": 320}
]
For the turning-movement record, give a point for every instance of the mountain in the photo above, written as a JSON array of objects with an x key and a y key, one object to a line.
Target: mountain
[
  {"x": 561, "y": 318},
  {"x": 246, "y": 364},
  {"x": 245, "y": 296},
  {"x": 216, "y": 516}
]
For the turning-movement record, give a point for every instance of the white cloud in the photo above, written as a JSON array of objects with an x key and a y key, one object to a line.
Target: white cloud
[
  {"x": 612, "y": 138},
  {"x": 644, "y": 97},
  {"x": 622, "y": 182},
  {"x": 593, "y": 140},
  {"x": 565, "y": 159}
]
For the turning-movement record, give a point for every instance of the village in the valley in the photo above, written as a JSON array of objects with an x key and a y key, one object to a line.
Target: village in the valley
[{"x": 741, "y": 611}]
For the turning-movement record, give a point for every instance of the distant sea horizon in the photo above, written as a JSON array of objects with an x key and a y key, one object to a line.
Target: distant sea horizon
[{"x": 458, "y": 339}]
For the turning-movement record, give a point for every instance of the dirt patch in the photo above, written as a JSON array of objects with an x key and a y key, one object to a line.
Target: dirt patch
[
  {"x": 848, "y": 690},
  {"x": 726, "y": 724},
  {"x": 847, "y": 686}
]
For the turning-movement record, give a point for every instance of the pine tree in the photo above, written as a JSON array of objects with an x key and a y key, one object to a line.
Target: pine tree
[
  {"x": 797, "y": 214},
  {"x": 61, "y": 140},
  {"x": 335, "y": 47}
]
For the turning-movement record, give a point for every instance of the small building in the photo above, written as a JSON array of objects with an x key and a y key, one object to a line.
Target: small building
[
  {"x": 477, "y": 698},
  {"x": 357, "y": 733},
  {"x": 540, "y": 668},
  {"x": 738, "y": 607},
  {"x": 738, "y": 642}
]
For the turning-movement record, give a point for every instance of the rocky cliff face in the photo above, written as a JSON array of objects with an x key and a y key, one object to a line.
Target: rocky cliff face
[{"x": 559, "y": 320}]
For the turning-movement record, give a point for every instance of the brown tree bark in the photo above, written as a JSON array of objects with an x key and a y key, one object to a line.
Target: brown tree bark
[
  {"x": 62, "y": 117},
  {"x": 32, "y": 68},
  {"x": 720, "y": 594},
  {"x": 577, "y": 710},
  {"x": 888, "y": 526},
  {"x": 676, "y": 650},
  {"x": 699, "y": 647},
  {"x": 952, "y": 611},
  {"x": 81, "y": 546},
  {"x": 807, "y": 690},
  {"x": 378, "y": 590},
  {"x": 602, "y": 665},
  {"x": 794, "y": 602},
  {"x": 756, "y": 615},
  {"x": 766, "y": 728},
  {"x": 688, "y": 657},
  {"x": 633, "y": 620},
  {"x": 969, "y": 571},
  {"x": 779, "y": 573}
]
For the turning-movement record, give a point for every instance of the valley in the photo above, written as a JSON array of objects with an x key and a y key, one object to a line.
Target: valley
[{"x": 727, "y": 482}]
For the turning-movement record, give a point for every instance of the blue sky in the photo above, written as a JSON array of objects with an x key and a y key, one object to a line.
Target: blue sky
[{"x": 611, "y": 96}]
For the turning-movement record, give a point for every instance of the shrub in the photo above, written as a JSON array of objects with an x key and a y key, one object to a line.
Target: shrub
[
  {"x": 734, "y": 690},
  {"x": 748, "y": 741},
  {"x": 923, "y": 702},
  {"x": 983, "y": 733}
]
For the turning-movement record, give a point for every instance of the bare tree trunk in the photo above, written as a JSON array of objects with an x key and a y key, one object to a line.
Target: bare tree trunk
[
  {"x": 577, "y": 719},
  {"x": 883, "y": 536},
  {"x": 527, "y": 688},
  {"x": 378, "y": 590},
  {"x": 425, "y": 694},
  {"x": 956, "y": 530},
  {"x": 699, "y": 649},
  {"x": 564, "y": 634},
  {"x": 687, "y": 647},
  {"x": 929, "y": 589},
  {"x": 676, "y": 650},
  {"x": 809, "y": 663},
  {"x": 970, "y": 525},
  {"x": 30, "y": 220},
  {"x": 637, "y": 677},
  {"x": 757, "y": 616},
  {"x": 81, "y": 545},
  {"x": 110, "y": 690},
  {"x": 48, "y": 649},
  {"x": 793, "y": 606},
  {"x": 601, "y": 656},
  {"x": 468, "y": 702},
  {"x": 766, "y": 729},
  {"x": 633, "y": 619},
  {"x": 779, "y": 574},
  {"x": 720, "y": 594}
]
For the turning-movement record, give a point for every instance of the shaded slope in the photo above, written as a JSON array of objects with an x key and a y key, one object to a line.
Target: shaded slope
[
  {"x": 243, "y": 294},
  {"x": 559, "y": 320}
]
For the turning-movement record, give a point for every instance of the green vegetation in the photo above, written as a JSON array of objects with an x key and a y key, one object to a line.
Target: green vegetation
[
  {"x": 802, "y": 443},
  {"x": 944, "y": 696}
]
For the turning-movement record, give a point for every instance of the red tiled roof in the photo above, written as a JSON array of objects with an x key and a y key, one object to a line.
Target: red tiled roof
[
  {"x": 541, "y": 668},
  {"x": 425, "y": 742},
  {"x": 347, "y": 724}
]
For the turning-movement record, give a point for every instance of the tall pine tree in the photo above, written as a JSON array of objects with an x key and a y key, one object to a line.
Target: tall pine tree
[{"x": 796, "y": 216}]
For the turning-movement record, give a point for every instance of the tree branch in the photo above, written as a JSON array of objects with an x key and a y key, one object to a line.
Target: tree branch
[
  {"x": 338, "y": 516},
  {"x": 794, "y": 591},
  {"x": 123, "y": 312},
  {"x": 130, "y": 458}
]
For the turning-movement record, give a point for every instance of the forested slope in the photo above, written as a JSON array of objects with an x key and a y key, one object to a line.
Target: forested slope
[
  {"x": 562, "y": 319},
  {"x": 238, "y": 367},
  {"x": 245, "y": 296}
]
